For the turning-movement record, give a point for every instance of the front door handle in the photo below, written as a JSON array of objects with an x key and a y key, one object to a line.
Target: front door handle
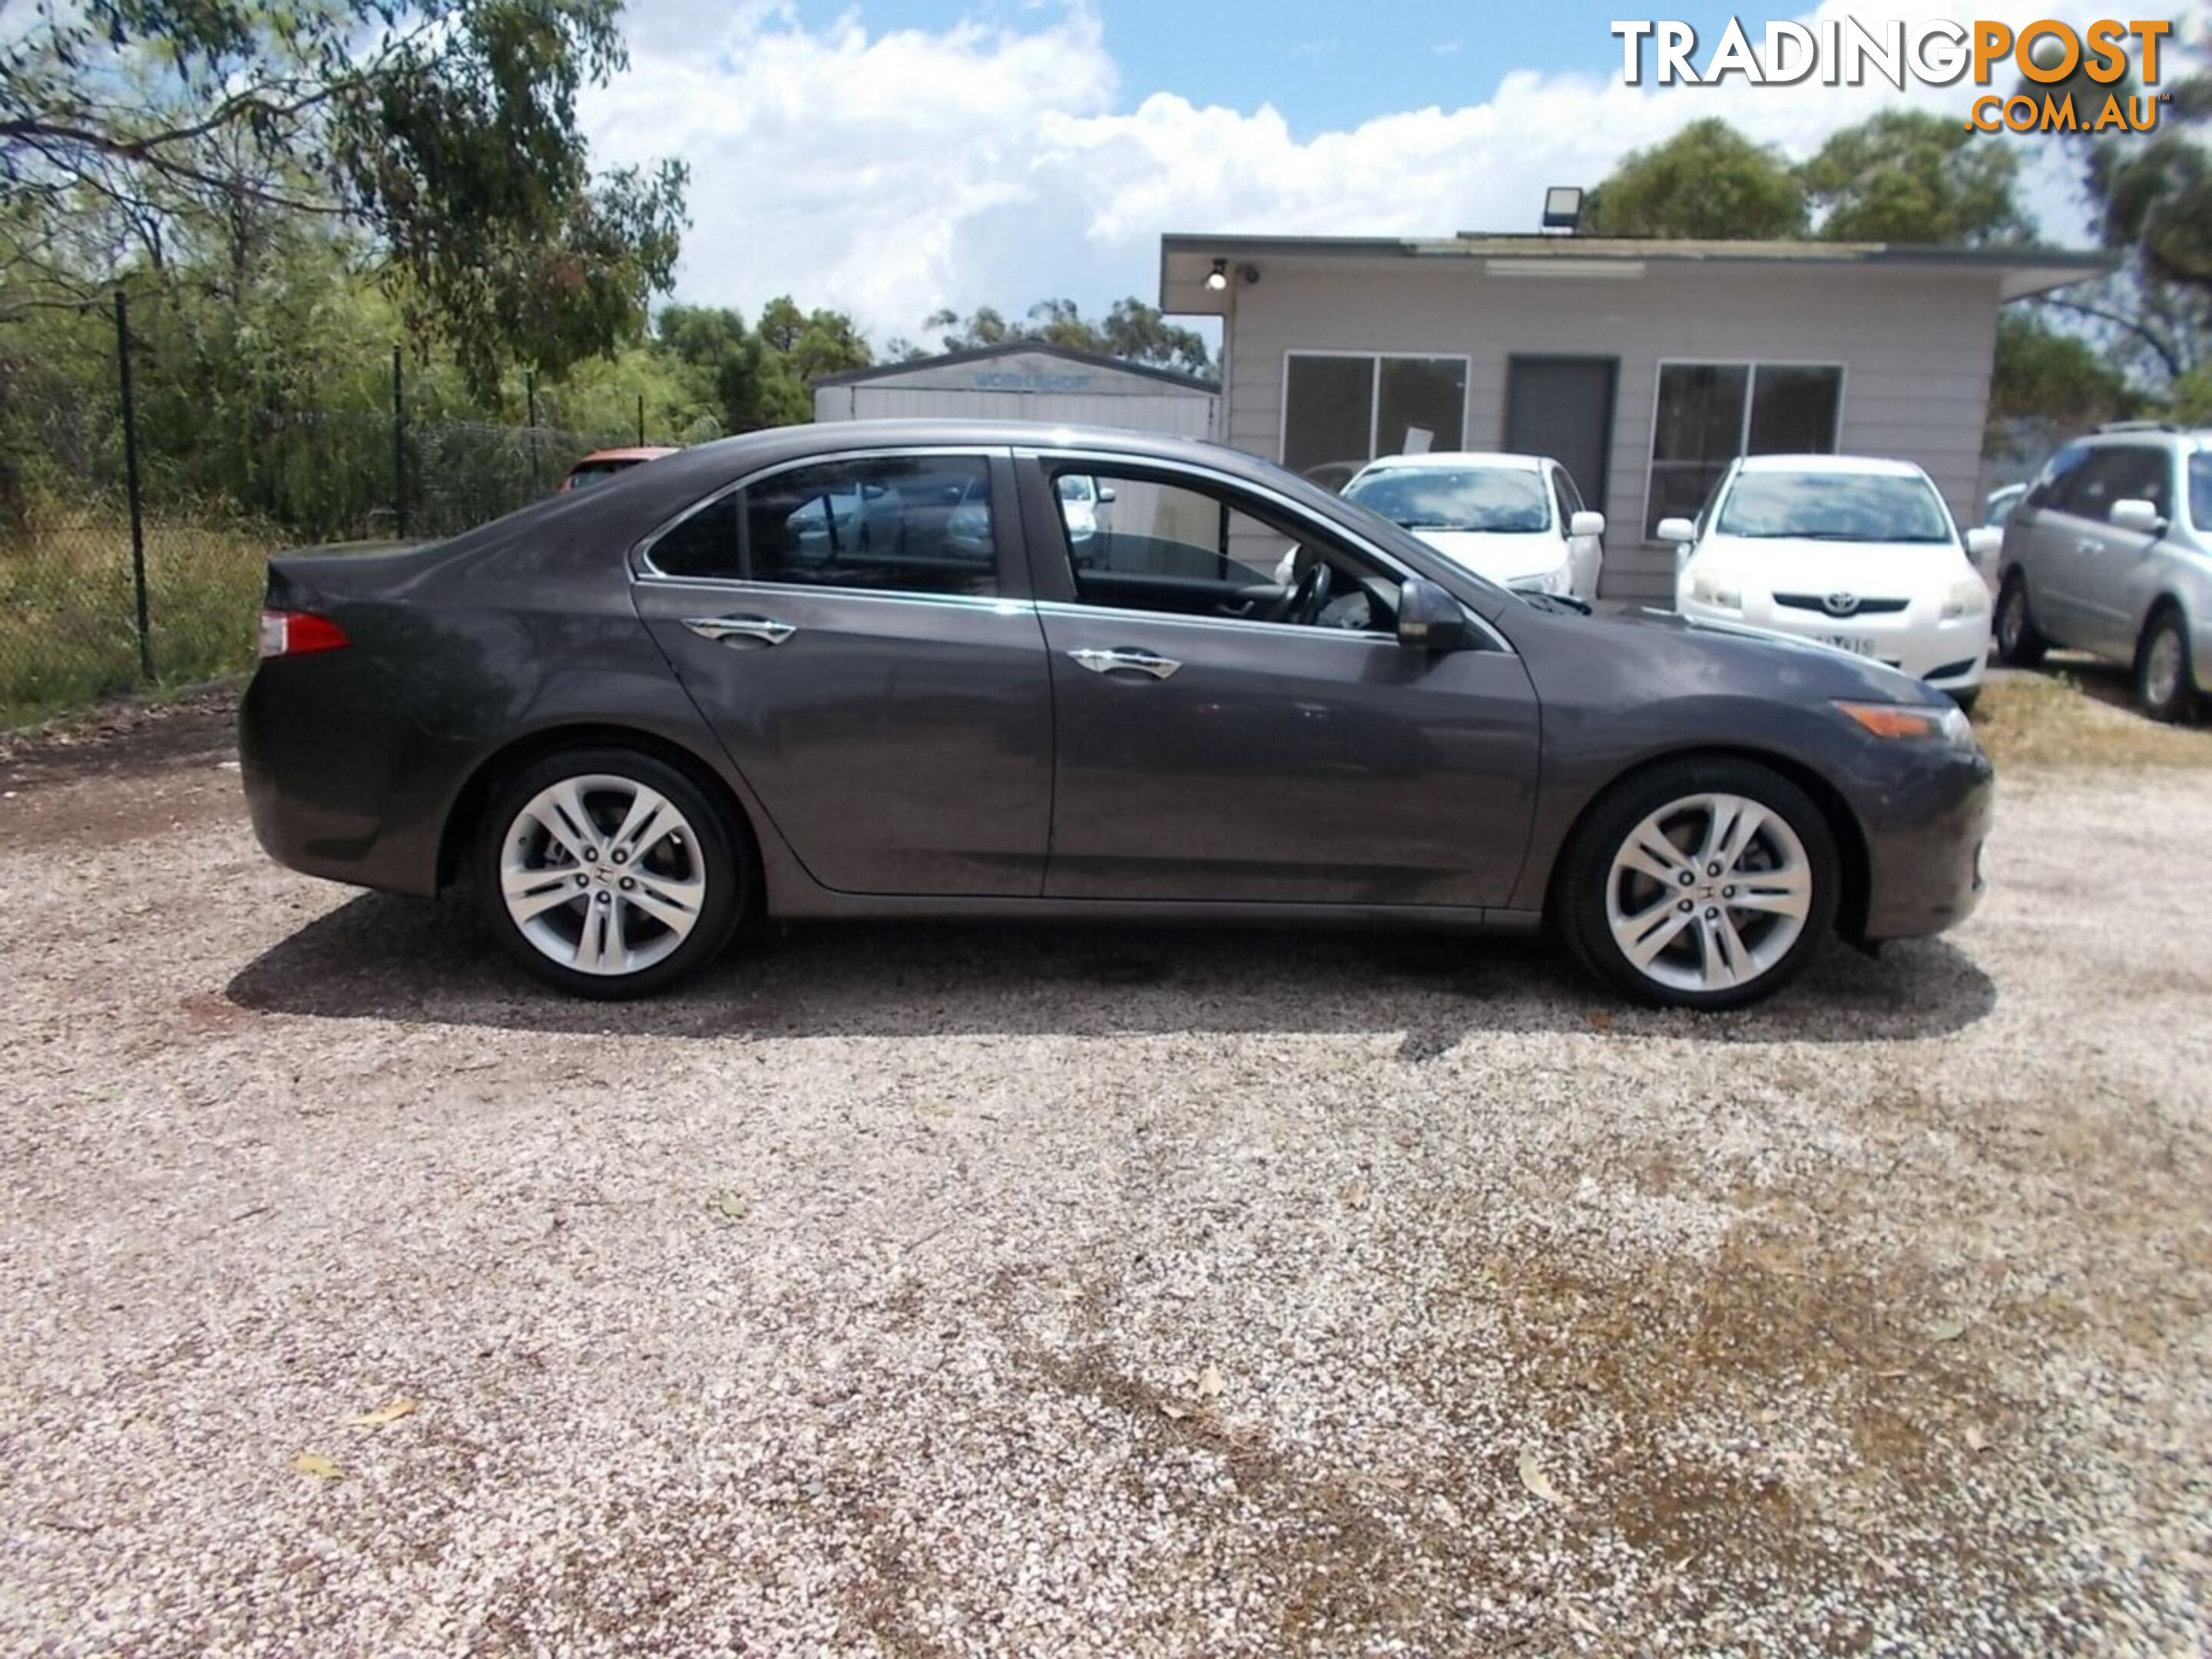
[
  {"x": 1143, "y": 662},
  {"x": 767, "y": 629},
  {"x": 2087, "y": 545}
]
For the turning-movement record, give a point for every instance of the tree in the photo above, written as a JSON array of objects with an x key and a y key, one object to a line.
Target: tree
[
  {"x": 759, "y": 376},
  {"x": 148, "y": 134},
  {"x": 2047, "y": 375},
  {"x": 1132, "y": 332},
  {"x": 1708, "y": 181},
  {"x": 1908, "y": 177}
]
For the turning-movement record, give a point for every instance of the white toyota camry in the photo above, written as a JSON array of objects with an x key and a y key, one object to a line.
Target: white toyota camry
[
  {"x": 1518, "y": 519},
  {"x": 1858, "y": 554}
]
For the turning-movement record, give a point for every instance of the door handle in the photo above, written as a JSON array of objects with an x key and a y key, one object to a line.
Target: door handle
[
  {"x": 2088, "y": 545},
  {"x": 1144, "y": 662},
  {"x": 767, "y": 629}
]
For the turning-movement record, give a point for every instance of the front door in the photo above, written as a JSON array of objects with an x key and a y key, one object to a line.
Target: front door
[
  {"x": 842, "y": 626},
  {"x": 1235, "y": 725},
  {"x": 1563, "y": 407}
]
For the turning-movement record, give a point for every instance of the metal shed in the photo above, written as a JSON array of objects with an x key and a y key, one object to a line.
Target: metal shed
[{"x": 1024, "y": 380}]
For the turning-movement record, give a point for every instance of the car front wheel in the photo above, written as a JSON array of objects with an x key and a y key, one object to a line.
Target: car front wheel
[
  {"x": 608, "y": 873},
  {"x": 2164, "y": 682},
  {"x": 2019, "y": 644},
  {"x": 1701, "y": 884}
]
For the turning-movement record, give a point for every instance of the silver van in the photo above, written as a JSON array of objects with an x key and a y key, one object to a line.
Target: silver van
[{"x": 2111, "y": 551}]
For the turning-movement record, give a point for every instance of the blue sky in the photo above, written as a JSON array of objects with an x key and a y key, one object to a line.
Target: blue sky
[{"x": 890, "y": 157}]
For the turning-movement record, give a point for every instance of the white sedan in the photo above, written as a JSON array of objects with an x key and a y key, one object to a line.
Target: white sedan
[
  {"x": 1516, "y": 519},
  {"x": 1858, "y": 554}
]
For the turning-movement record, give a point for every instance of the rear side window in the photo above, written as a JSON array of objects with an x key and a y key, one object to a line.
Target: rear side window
[
  {"x": 2200, "y": 489},
  {"x": 908, "y": 524}
]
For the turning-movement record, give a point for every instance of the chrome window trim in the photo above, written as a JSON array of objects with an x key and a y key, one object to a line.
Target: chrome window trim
[
  {"x": 641, "y": 550},
  {"x": 1114, "y": 459},
  {"x": 1009, "y": 604}
]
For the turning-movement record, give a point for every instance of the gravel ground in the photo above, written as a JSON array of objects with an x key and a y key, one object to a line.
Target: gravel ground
[{"x": 950, "y": 1291}]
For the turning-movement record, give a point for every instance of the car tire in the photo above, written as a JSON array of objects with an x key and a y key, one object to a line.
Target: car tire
[
  {"x": 608, "y": 873},
  {"x": 2019, "y": 644},
  {"x": 2164, "y": 682},
  {"x": 1624, "y": 908}
]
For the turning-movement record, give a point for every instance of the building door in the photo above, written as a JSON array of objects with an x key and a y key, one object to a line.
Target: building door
[{"x": 1563, "y": 407}]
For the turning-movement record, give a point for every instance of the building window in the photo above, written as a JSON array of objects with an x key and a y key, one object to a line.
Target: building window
[
  {"x": 1709, "y": 414},
  {"x": 1342, "y": 411}
]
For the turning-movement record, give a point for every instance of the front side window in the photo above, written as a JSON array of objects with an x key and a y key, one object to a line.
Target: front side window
[
  {"x": 917, "y": 523},
  {"x": 2116, "y": 472},
  {"x": 1834, "y": 507},
  {"x": 1181, "y": 548},
  {"x": 1709, "y": 414},
  {"x": 2200, "y": 489},
  {"x": 1341, "y": 411},
  {"x": 1494, "y": 499}
]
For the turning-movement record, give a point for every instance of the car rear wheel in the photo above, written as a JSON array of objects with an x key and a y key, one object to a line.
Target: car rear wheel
[
  {"x": 1701, "y": 884},
  {"x": 2164, "y": 682},
  {"x": 2019, "y": 644},
  {"x": 608, "y": 873}
]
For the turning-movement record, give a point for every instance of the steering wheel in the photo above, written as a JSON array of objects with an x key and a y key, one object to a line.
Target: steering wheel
[{"x": 1307, "y": 598}]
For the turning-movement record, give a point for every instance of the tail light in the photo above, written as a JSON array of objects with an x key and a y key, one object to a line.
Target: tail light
[{"x": 296, "y": 633}]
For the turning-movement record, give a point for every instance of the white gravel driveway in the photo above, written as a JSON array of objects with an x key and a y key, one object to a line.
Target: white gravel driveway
[{"x": 966, "y": 1290}]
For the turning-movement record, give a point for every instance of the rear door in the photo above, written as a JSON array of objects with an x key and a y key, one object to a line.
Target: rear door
[
  {"x": 2089, "y": 559},
  {"x": 857, "y": 631},
  {"x": 1210, "y": 748}
]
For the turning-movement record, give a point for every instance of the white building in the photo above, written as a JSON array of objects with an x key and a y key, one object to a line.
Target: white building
[
  {"x": 1025, "y": 381},
  {"x": 1644, "y": 366}
]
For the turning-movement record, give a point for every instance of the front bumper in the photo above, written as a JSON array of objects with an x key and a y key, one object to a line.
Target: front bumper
[
  {"x": 1952, "y": 655},
  {"x": 1925, "y": 831}
]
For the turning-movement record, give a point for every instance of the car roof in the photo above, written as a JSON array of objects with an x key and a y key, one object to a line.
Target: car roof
[
  {"x": 1878, "y": 465},
  {"x": 1500, "y": 459}
]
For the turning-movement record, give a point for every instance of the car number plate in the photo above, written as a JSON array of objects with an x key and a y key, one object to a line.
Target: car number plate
[{"x": 1857, "y": 645}]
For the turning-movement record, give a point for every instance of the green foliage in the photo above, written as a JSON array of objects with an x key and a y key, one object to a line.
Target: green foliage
[
  {"x": 2042, "y": 373},
  {"x": 1907, "y": 177},
  {"x": 1132, "y": 332},
  {"x": 1708, "y": 182},
  {"x": 758, "y": 377},
  {"x": 145, "y": 136}
]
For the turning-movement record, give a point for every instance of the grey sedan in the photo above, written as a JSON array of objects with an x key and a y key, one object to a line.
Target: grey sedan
[{"x": 866, "y": 670}]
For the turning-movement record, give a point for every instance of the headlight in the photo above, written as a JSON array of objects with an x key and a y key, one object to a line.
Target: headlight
[
  {"x": 1711, "y": 587},
  {"x": 1914, "y": 722},
  {"x": 1966, "y": 598}
]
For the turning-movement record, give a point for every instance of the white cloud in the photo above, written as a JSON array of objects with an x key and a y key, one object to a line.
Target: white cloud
[{"x": 893, "y": 172}]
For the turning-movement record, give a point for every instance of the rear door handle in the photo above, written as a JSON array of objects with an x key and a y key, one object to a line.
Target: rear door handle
[
  {"x": 2088, "y": 545},
  {"x": 1143, "y": 662},
  {"x": 767, "y": 629}
]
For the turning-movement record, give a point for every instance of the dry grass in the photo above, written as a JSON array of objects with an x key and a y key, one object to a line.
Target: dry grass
[
  {"x": 2075, "y": 713},
  {"x": 68, "y": 614}
]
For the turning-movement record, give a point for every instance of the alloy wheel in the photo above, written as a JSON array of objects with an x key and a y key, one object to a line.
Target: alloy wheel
[
  {"x": 2162, "y": 677},
  {"x": 602, "y": 874},
  {"x": 1708, "y": 893}
]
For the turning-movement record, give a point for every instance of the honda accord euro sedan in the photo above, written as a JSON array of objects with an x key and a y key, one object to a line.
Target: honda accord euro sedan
[{"x": 631, "y": 717}]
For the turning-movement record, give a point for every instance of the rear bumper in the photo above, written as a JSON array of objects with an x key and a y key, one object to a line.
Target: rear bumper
[
  {"x": 1924, "y": 844},
  {"x": 337, "y": 775}
]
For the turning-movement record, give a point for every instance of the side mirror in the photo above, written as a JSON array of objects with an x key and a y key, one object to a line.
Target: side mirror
[
  {"x": 1984, "y": 543},
  {"x": 1676, "y": 530},
  {"x": 2133, "y": 513},
  {"x": 1105, "y": 494},
  {"x": 1430, "y": 619},
  {"x": 1586, "y": 523}
]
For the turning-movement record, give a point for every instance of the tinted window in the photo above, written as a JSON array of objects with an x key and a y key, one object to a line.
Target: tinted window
[
  {"x": 1490, "y": 499},
  {"x": 2050, "y": 489},
  {"x": 2200, "y": 489},
  {"x": 915, "y": 524},
  {"x": 703, "y": 545},
  {"x": 2117, "y": 473},
  {"x": 1342, "y": 411},
  {"x": 1834, "y": 507},
  {"x": 1571, "y": 499}
]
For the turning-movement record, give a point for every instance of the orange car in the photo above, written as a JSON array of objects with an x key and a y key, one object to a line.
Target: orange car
[{"x": 602, "y": 464}]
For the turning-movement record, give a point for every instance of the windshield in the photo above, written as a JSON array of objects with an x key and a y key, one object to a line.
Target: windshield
[
  {"x": 1491, "y": 499},
  {"x": 597, "y": 473},
  {"x": 1835, "y": 507},
  {"x": 2200, "y": 489}
]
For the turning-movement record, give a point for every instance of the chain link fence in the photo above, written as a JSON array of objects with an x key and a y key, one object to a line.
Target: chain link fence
[{"x": 133, "y": 545}]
